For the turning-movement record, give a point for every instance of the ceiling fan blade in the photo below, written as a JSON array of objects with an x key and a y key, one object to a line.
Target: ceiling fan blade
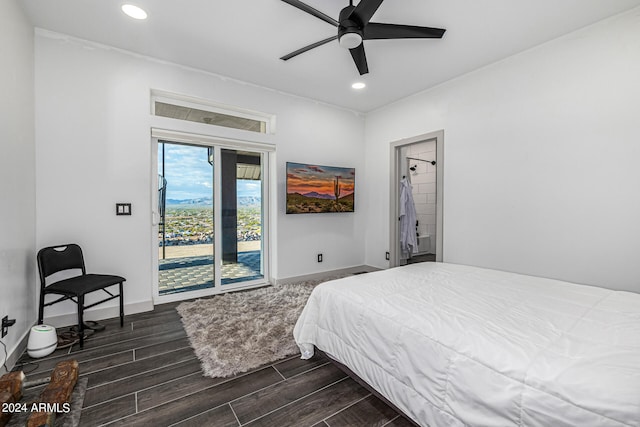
[
  {"x": 306, "y": 48},
  {"x": 357, "y": 53},
  {"x": 374, "y": 31},
  {"x": 306, "y": 8},
  {"x": 365, "y": 10}
]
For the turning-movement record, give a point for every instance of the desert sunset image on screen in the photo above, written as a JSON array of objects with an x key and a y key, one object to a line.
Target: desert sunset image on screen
[{"x": 316, "y": 189}]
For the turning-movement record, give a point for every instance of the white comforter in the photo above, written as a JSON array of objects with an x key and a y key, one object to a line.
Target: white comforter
[{"x": 452, "y": 345}]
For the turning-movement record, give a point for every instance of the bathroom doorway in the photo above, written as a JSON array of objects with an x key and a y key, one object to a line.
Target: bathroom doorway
[{"x": 417, "y": 166}]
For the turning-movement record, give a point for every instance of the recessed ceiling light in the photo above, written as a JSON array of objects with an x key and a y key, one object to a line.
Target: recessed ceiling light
[
  {"x": 134, "y": 11},
  {"x": 358, "y": 85}
]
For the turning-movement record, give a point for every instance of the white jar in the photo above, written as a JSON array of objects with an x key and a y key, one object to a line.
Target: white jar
[{"x": 43, "y": 341}]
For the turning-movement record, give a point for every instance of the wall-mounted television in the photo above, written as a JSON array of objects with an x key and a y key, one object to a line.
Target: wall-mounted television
[{"x": 317, "y": 189}]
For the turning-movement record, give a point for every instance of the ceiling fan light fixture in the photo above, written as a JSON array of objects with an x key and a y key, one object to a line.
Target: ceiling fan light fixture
[
  {"x": 354, "y": 25},
  {"x": 350, "y": 40},
  {"x": 134, "y": 11},
  {"x": 358, "y": 85}
]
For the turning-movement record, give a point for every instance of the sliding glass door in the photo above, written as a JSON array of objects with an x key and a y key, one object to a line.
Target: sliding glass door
[
  {"x": 186, "y": 228},
  {"x": 210, "y": 218},
  {"x": 241, "y": 209}
]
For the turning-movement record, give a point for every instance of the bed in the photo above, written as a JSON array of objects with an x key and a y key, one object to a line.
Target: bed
[{"x": 454, "y": 345}]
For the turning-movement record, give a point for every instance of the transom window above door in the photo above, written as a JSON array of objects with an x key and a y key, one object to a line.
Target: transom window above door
[{"x": 191, "y": 109}]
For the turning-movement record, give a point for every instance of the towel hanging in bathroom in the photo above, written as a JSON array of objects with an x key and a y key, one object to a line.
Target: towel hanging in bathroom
[{"x": 408, "y": 217}]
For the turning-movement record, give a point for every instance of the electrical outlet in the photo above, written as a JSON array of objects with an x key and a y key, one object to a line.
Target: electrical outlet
[
  {"x": 319, "y": 257},
  {"x": 6, "y": 323}
]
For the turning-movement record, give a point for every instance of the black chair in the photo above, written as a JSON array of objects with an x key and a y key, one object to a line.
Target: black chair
[{"x": 55, "y": 259}]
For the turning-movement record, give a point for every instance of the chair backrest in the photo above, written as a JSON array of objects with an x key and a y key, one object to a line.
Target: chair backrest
[{"x": 59, "y": 258}]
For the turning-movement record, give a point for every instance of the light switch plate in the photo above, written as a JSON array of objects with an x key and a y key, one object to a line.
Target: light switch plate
[{"x": 123, "y": 208}]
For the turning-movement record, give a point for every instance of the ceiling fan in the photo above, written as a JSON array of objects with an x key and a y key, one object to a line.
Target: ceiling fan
[{"x": 354, "y": 27}]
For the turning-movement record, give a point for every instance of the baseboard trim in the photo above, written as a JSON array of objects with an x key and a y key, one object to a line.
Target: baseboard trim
[
  {"x": 98, "y": 314},
  {"x": 14, "y": 354},
  {"x": 327, "y": 274}
]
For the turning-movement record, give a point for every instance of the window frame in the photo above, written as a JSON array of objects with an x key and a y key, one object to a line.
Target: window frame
[{"x": 187, "y": 101}]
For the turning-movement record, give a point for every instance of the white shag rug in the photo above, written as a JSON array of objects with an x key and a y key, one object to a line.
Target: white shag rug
[{"x": 239, "y": 331}]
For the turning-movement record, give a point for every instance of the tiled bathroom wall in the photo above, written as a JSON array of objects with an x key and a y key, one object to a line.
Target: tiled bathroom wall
[{"x": 423, "y": 180}]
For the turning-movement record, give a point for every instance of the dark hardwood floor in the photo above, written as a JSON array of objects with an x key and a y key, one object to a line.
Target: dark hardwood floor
[
  {"x": 146, "y": 374},
  {"x": 422, "y": 258}
]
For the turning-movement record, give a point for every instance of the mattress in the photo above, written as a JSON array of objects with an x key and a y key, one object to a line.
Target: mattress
[{"x": 454, "y": 345}]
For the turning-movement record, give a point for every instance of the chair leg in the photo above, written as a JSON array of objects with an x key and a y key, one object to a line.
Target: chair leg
[
  {"x": 41, "y": 308},
  {"x": 121, "y": 306},
  {"x": 81, "y": 319}
]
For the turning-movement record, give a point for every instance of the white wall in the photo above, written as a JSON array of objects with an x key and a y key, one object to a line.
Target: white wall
[
  {"x": 93, "y": 149},
  {"x": 541, "y": 161},
  {"x": 17, "y": 173}
]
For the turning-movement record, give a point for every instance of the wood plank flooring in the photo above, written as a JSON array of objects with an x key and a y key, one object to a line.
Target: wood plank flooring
[{"x": 146, "y": 374}]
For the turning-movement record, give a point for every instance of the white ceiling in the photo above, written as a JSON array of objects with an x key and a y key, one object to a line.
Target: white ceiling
[{"x": 245, "y": 39}]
